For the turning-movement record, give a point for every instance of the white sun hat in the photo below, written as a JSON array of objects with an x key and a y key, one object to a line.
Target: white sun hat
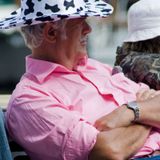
[
  {"x": 143, "y": 20},
  {"x": 39, "y": 11}
]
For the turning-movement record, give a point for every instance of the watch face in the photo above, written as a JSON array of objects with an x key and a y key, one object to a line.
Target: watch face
[{"x": 133, "y": 105}]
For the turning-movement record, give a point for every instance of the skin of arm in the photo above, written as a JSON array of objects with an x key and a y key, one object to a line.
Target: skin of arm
[
  {"x": 150, "y": 112},
  {"x": 149, "y": 103},
  {"x": 119, "y": 143}
]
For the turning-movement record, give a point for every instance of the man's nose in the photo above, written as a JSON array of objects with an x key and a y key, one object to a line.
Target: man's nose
[{"x": 86, "y": 28}]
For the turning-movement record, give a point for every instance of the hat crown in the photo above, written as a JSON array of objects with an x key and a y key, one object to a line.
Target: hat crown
[
  {"x": 144, "y": 14},
  {"x": 143, "y": 21},
  {"x": 34, "y": 8}
]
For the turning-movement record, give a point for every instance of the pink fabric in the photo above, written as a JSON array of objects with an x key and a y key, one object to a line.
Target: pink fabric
[{"x": 52, "y": 110}]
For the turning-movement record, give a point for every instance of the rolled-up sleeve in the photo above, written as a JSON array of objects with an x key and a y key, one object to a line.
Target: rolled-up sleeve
[
  {"x": 80, "y": 142},
  {"x": 47, "y": 129}
]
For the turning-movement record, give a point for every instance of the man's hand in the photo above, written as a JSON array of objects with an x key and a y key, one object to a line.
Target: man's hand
[{"x": 145, "y": 94}]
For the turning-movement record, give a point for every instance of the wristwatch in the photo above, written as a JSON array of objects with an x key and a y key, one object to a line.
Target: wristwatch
[{"x": 135, "y": 108}]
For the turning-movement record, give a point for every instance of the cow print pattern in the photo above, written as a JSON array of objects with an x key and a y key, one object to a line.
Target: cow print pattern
[
  {"x": 69, "y": 4},
  {"x": 39, "y": 11},
  {"x": 30, "y": 8},
  {"x": 54, "y": 8}
]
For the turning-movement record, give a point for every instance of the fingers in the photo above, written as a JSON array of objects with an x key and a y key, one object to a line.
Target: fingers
[
  {"x": 155, "y": 153},
  {"x": 145, "y": 94},
  {"x": 156, "y": 93}
]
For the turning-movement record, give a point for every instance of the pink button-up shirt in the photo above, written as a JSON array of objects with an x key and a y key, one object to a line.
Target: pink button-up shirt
[{"x": 52, "y": 110}]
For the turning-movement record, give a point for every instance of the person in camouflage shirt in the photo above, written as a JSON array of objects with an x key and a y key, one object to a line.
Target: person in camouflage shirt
[{"x": 139, "y": 55}]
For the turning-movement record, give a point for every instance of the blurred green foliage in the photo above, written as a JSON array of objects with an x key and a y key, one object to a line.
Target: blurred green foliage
[{"x": 3, "y": 2}]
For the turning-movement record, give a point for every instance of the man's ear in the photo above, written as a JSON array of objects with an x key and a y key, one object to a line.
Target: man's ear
[{"x": 50, "y": 32}]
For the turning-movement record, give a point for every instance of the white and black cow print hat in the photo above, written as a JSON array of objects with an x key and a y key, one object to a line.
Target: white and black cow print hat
[{"x": 38, "y": 11}]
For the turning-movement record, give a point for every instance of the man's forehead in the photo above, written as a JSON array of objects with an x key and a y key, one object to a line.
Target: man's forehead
[{"x": 75, "y": 21}]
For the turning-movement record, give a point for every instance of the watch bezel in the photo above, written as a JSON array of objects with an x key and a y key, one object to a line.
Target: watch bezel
[{"x": 135, "y": 107}]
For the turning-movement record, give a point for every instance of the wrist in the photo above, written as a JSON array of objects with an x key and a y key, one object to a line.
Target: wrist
[
  {"x": 133, "y": 111},
  {"x": 134, "y": 107},
  {"x": 128, "y": 113}
]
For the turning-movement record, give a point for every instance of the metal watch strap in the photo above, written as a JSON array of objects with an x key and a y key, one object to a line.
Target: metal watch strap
[{"x": 134, "y": 106}]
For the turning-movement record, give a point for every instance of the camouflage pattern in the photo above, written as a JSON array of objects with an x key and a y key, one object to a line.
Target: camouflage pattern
[{"x": 140, "y": 67}]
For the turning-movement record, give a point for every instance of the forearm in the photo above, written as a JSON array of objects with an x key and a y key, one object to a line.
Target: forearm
[
  {"x": 120, "y": 143},
  {"x": 150, "y": 112}
]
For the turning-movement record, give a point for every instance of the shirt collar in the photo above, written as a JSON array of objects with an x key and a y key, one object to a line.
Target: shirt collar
[{"x": 41, "y": 69}]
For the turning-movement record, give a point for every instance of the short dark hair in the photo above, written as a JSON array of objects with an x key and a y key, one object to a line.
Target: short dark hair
[
  {"x": 130, "y": 3},
  {"x": 148, "y": 46}
]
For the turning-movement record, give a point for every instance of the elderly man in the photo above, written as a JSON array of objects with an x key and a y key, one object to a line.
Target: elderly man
[{"x": 68, "y": 106}]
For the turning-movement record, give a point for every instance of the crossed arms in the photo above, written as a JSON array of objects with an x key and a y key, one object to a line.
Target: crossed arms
[{"x": 119, "y": 138}]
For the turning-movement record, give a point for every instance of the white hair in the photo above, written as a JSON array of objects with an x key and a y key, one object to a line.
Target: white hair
[{"x": 33, "y": 35}]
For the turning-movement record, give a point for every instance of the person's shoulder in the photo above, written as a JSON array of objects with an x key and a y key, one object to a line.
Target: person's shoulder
[
  {"x": 150, "y": 59},
  {"x": 144, "y": 68}
]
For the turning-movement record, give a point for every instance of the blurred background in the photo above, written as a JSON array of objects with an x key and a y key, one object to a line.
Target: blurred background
[{"x": 106, "y": 35}]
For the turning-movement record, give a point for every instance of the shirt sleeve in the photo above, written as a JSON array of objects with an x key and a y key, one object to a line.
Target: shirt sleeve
[{"x": 46, "y": 128}]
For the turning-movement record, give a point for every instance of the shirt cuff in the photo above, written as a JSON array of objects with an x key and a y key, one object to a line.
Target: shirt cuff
[{"x": 80, "y": 142}]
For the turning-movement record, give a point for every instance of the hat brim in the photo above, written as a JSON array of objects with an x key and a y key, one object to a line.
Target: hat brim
[
  {"x": 142, "y": 35},
  {"x": 97, "y": 8}
]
